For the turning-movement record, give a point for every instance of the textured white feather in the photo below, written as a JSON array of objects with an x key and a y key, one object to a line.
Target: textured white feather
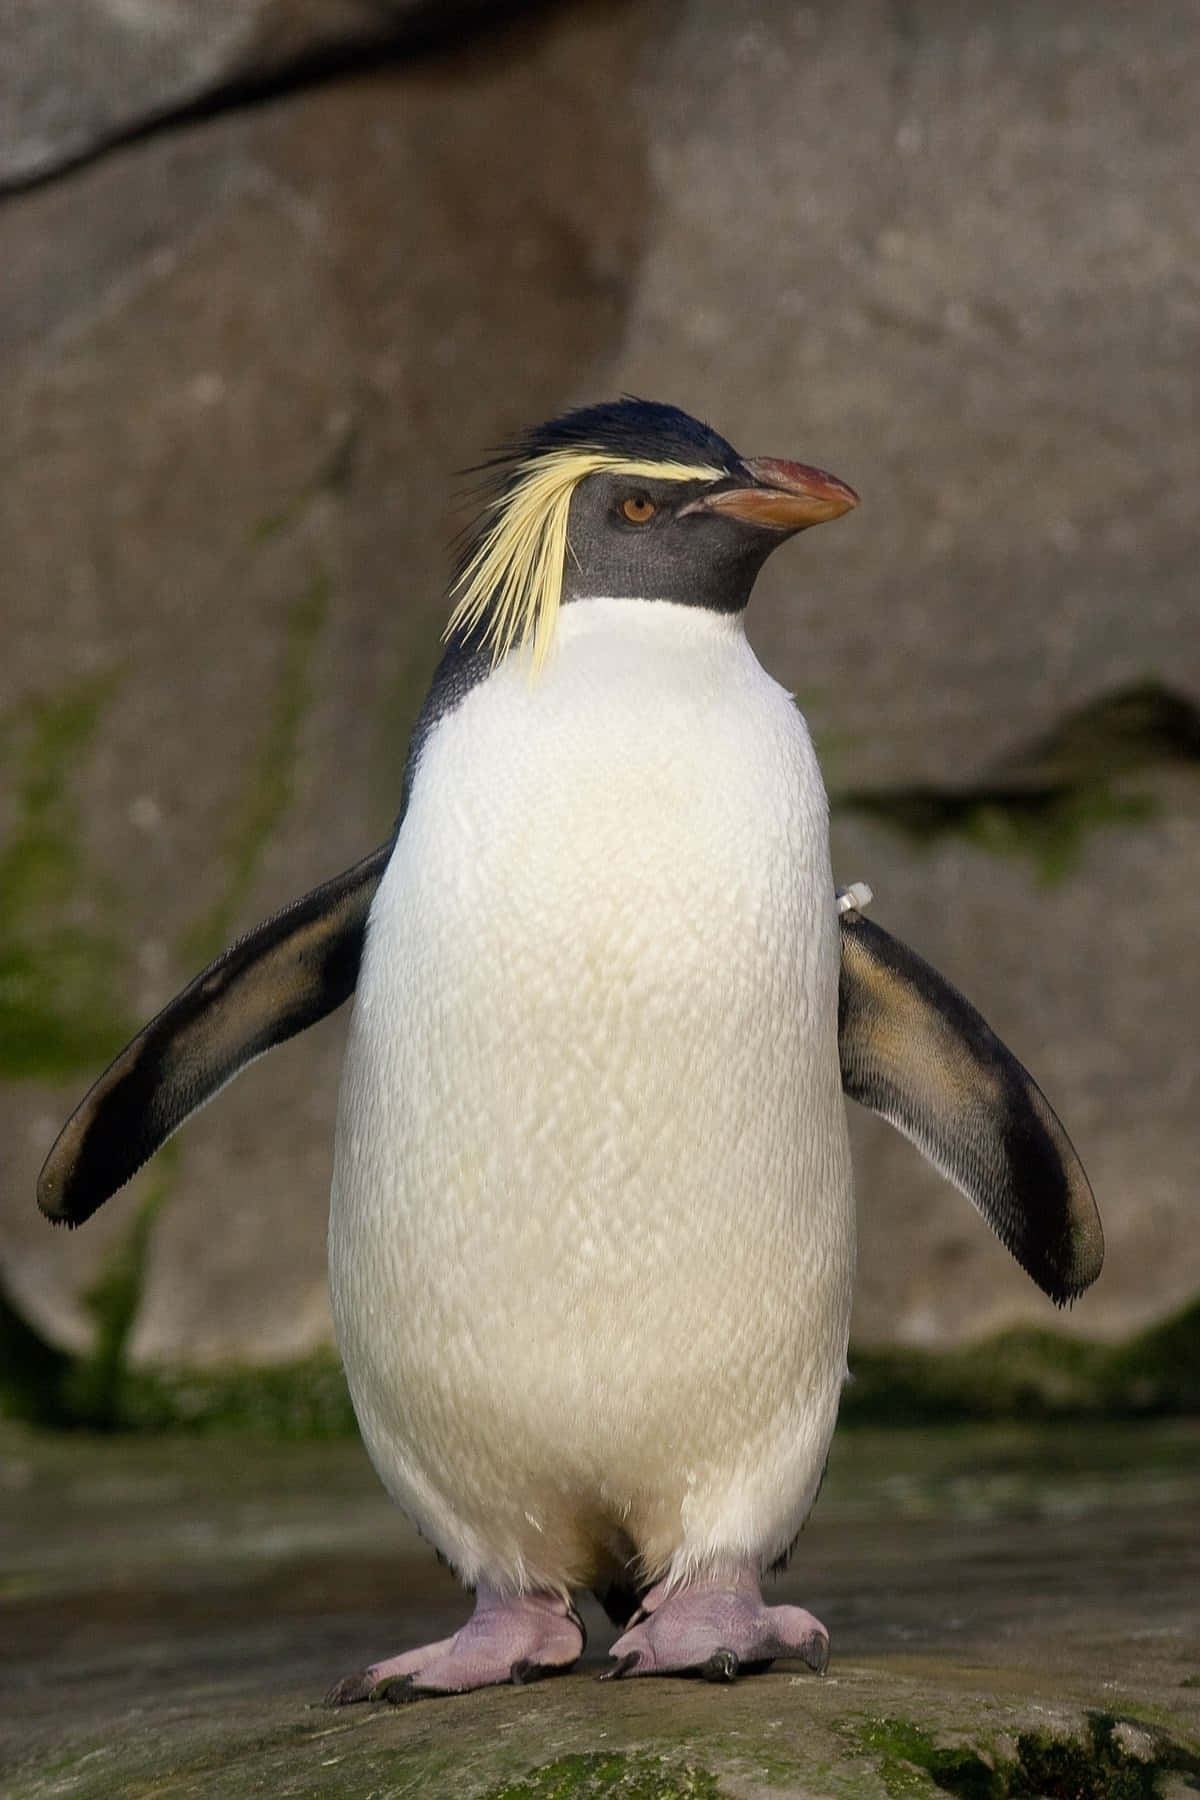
[{"x": 591, "y": 1238}]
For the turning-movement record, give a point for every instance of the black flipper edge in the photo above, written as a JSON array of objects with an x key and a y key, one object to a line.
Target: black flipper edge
[
  {"x": 915, "y": 1051},
  {"x": 280, "y": 978}
]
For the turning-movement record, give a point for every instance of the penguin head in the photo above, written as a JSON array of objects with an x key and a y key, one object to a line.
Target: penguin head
[{"x": 627, "y": 500}]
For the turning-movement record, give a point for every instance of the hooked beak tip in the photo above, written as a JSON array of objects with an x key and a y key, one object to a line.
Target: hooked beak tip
[{"x": 786, "y": 496}]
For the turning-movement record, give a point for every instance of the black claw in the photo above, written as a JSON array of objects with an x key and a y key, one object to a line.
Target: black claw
[
  {"x": 525, "y": 1670},
  {"x": 722, "y": 1665},
  {"x": 620, "y": 1666},
  {"x": 815, "y": 1652}
]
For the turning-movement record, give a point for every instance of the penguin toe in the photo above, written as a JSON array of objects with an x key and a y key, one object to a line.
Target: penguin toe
[
  {"x": 717, "y": 1630},
  {"x": 450, "y": 1678},
  {"x": 519, "y": 1638}
]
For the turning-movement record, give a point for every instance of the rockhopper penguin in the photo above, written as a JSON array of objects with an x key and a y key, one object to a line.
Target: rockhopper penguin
[{"x": 591, "y": 1238}]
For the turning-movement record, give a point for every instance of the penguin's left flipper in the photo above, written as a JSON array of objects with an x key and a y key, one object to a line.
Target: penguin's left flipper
[
  {"x": 280, "y": 978},
  {"x": 915, "y": 1051}
]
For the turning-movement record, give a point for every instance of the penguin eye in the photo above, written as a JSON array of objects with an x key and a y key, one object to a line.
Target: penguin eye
[{"x": 638, "y": 509}]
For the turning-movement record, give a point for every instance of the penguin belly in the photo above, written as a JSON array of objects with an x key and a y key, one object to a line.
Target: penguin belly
[{"x": 591, "y": 1231}]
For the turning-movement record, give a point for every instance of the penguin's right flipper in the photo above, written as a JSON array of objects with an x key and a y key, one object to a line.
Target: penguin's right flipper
[
  {"x": 915, "y": 1051},
  {"x": 280, "y": 978}
]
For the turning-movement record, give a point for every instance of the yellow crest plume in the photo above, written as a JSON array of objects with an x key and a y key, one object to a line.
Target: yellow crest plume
[{"x": 512, "y": 582}]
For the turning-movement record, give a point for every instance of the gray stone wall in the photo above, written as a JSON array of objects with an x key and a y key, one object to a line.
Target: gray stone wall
[{"x": 950, "y": 252}]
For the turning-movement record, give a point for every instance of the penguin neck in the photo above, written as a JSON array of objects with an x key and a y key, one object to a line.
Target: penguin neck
[{"x": 647, "y": 622}]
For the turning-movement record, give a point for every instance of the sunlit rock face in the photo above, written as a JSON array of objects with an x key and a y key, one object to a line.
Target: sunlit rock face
[{"x": 945, "y": 253}]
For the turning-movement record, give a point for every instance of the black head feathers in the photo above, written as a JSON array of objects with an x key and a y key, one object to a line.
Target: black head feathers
[{"x": 642, "y": 431}]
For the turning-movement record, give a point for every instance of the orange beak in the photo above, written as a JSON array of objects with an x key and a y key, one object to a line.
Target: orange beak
[{"x": 790, "y": 496}]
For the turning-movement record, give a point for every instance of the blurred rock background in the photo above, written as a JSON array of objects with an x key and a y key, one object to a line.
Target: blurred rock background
[{"x": 270, "y": 275}]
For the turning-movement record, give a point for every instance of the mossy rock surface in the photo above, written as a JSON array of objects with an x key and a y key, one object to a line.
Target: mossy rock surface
[{"x": 1008, "y": 1609}]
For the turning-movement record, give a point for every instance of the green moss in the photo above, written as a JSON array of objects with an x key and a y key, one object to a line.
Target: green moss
[
  {"x": 1049, "y": 827},
  {"x": 610, "y": 1776},
  {"x": 298, "y": 1401},
  {"x": 94, "y": 1388},
  {"x": 1047, "y": 1766},
  {"x": 1099, "y": 1768},
  {"x": 1065, "y": 1769},
  {"x": 301, "y": 1400},
  {"x": 59, "y": 972},
  {"x": 911, "y": 1763},
  {"x": 1033, "y": 1375},
  {"x": 269, "y": 790},
  {"x": 1046, "y": 801}
]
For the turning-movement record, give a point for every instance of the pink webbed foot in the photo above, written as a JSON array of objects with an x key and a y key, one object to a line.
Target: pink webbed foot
[
  {"x": 517, "y": 1638},
  {"x": 716, "y": 1629}
]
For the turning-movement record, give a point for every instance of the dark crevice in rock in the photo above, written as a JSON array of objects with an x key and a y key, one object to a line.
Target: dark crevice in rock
[
  {"x": 46, "y": 1386},
  {"x": 1119, "y": 1759},
  {"x": 1046, "y": 797},
  {"x": 1134, "y": 728},
  {"x": 32, "y": 1372},
  {"x": 429, "y": 30}
]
